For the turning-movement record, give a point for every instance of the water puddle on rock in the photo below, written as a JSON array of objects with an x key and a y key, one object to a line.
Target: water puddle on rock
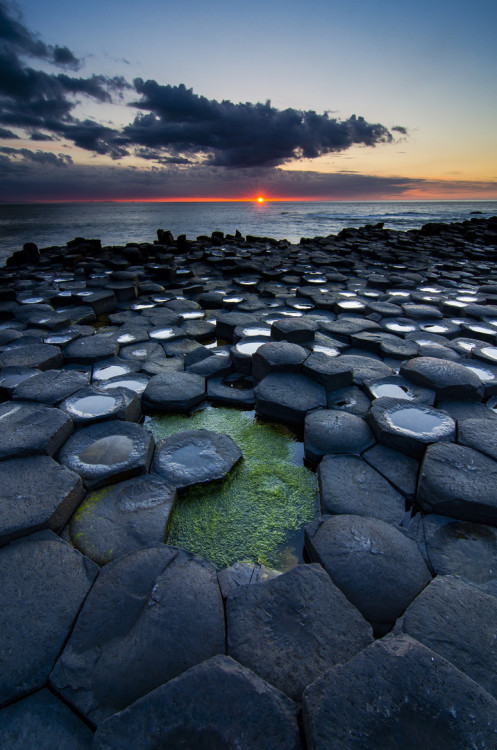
[
  {"x": 259, "y": 511},
  {"x": 114, "y": 449},
  {"x": 93, "y": 406},
  {"x": 392, "y": 390},
  {"x": 416, "y": 420}
]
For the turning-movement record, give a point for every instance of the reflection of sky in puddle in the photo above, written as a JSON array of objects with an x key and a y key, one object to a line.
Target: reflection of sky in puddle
[
  {"x": 113, "y": 449},
  {"x": 391, "y": 390},
  {"x": 416, "y": 420},
  {"x": 92, "y": 406}
]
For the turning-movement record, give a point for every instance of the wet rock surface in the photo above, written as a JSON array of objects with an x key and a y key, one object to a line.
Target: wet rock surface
[
  {"x": 395, "y": 693},
  {"x": 302, "y": 332}
]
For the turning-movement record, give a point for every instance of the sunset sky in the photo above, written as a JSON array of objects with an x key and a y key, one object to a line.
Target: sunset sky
[{"x": 289, "y": 99}]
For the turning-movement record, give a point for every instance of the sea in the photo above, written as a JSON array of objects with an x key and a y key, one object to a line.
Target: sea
[{"x": 48, "y": 224}]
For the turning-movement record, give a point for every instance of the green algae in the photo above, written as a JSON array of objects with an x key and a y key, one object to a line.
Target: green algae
[{"x": 258, "y": 512}]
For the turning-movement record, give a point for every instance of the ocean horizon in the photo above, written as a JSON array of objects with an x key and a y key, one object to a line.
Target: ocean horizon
[{"x": 118, "y": 223}]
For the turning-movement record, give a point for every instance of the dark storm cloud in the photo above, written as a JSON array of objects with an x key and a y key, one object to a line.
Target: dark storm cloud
[
  {"x": 240, "y": 135},
  {"x": 5, "y": 133},
  {"x": 35, "y": 100},
  {"x": 14, "y": 34},
  {"x": 39, "y": 157}
]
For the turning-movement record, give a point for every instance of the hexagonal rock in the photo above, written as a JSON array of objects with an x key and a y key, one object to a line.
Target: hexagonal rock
[
  {"x": 350, "y": 399},
  {"x": 398, "y": 693},
  {"x": 30, "y": 429},
  {"x": 329, "y": 371},
  {"x": 278, "y": 356},
  {"x": 123, "y": 518},
  {"x": 409, "y": 427},
  {"x": 459, "y": 622},
  {"x": 458, "y": 548},
  {"x": 44, "y": 583},
  {"x": 195, "y": 457},
  {"x": 108, "y": 452},
  {"x": 397, "y": 387},
  {"x": 364, "y": 368},
  {"x": 92, "y": 404},
  {"x": 36, "y": 493},
  {"x": 480, "y": 434},
  {"x": 89, "y": 349},
  {"x": 228, "y": 391},
  {"x": 174, "y": 391},
  {"x": 42, "y": 721},
  {"x": 378, "y": 569},
  {"x": 292, "y": 628},
  {"x": 449, "y": 380},
  {"x": 149, "y": 617},
  {"x": 217, "y": 704},
  {"x": 459, "y": 482},
  {"x": 347, "y": 484},
  {"x": 41, "y": 356},
  {"x": 288, "y": 397},
  {"x": 330, "y": 431},
  {"x": 51, "y": 386},
  {"x": 400, "y": 470},
  {"x": 293, "y": 329},
  {"x": 226, "y": 324}
]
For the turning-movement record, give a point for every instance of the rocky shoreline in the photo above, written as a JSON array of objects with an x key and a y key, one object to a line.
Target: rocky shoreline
[{"x": 380, "y": 348}]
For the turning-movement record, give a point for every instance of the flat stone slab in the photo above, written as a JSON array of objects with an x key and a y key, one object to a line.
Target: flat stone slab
[
  {"x": 107, "y": 452},
  {"x": 174, "y": 392},
  {"x": 30, "y": 429},
  {"x": 148, "y": 618},
  {"x": 42, "y": 721},
  {"x": 123, "y": 518},
  {"x": 292, "y": 628},
  {"x": 329, "y": 371},
  {"x": 347, "y": 484},
  {"x": 51, "y": 386},
  {"x": 288, "y": 397},
  {"x": 409, "y": 427},
  {"x": 278, "y": 356},
  {"x": 195, "y": 457},
  {"x": 294, "y": 330},
  {"x": 350, "y": 399},
  {"x": 36, "y": 493},
  {"x": 459, "y": 482},
  {"x": 44, "y": 583},
  {"x": 400, "y": 470},
  {"x": 459, "y": 622},
  {"x": 89, "y": 349},
  {"x": 480, "y": 434},
  {"x": 364, "y": 368},
  {"x": 397, "y": 387},
  {"x": 92, "y": 404},
  {"x": 217, "y": 704},
  {"x": 398, "y": 693},
  {"x": 227, "y": 391},
  {"x": 40, "y": 356},
  {"x": 449, "y": 380},
  {"x": 334, "y": 431},
  {"x": 458, "y": 548},
  {"x": 378, "y": 568}
]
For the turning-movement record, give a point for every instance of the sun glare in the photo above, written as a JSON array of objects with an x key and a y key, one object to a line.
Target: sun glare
[{"x": 260, "y": 199}]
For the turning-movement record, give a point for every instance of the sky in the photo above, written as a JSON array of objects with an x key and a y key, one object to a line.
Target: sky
[{"x": 285, "y": 99}]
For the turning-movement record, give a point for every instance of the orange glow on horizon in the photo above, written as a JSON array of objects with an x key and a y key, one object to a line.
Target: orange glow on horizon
[{"x": 260, "y": 199}]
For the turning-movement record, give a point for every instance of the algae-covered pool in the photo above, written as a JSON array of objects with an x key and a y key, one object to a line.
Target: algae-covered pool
[{"x": 258, "y": 512}]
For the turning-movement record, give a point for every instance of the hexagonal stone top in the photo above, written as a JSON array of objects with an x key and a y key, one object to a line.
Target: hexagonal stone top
[
  {"x": 149, "y": 617},
  {"x": 44, "y": 583},
  {"x": 335, "y": 431},
  {"x": 409, "y": 427},
  {"x": 88, "y": 349},
  {"x": 288, "y": 397},
  {"x": 221, "y": 704},
  {"x": 292, "y": 628},
  {"x": 41, "y": 356},
  {"x": 174, "y": 391},
  {"x": 108, "y": 451},
  {"x": 449, "y": 379},
  {"x": 195, "y": 457},
  {"x": 30, "y": 429},
  {"x": 36, "y": 493}
]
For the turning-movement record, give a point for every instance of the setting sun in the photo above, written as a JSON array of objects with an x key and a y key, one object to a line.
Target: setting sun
[{"x": 260, "y": 199}]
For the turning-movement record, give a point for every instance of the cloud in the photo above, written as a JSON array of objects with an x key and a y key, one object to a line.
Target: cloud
[
  {"x": 39, "y": 157},
  {"x": 16, "y": 36},
  {"x": 25, "y": 181},
  {"x": 35, "y": 100},
  {"x": 240, "y": 135},
  {"x": 5, "y": 133}
]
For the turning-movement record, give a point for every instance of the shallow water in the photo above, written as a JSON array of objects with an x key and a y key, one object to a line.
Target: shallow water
[
  {"x": 259, "y": 511},
  {"x": 416, "y": 420}
]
